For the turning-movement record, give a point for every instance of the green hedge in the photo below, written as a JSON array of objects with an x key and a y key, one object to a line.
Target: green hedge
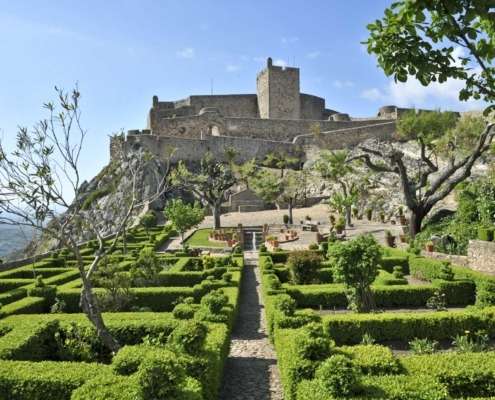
[
  {"x": 458, "y": 293},
  {"x": 464, "y": 375},
  {"x": 21, "y": 380},
  {"x": 350, "y": 328},
  {"x": 27, "y": 305},
  {"x": 158, "y": 299},
  {"x": 12, "y": 295}
]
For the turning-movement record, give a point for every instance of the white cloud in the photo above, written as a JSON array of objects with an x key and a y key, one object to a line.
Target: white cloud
[
  {"x": 186, "y": 52},
  {"x": 289, "y": 40},
  {"x": 232, "y": 68},
  {"x": 280, "y": 62},
  {"x": 413, "y": 94},
  {"x": 313, "y": 54},
  {"x": 372, "y": 94},
  {"x": 343, "y": 84}
]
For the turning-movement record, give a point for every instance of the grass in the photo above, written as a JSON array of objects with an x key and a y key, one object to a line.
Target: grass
[{"x": 200, "y": 238}]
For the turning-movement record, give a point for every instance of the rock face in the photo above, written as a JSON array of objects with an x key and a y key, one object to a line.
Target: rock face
[{"x": 105, "y": 198}]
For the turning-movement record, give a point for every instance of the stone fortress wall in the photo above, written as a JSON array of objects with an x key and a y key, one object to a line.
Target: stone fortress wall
[{"x": 277, "y": 118}]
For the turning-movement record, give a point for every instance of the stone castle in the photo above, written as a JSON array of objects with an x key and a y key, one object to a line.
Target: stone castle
[{"x": 278, "y": 118}]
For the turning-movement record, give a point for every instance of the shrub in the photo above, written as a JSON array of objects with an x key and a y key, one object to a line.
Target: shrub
[
  {"x": 78, "y": 343},
  {"x": 189, "y": 337},
  {"x": 215, "y": 301},
  {"x": 146, "y": 269},
  {"x": 485, "y": 294},
  {"x": 227, "y": 277},
  {"x": 373, "y": 359},
  {"x": 446, "y": 272},
  {"x": 161, "y": 377},
  {"x": 471, "y": 342},
  {"x": 423, "y": 346},
  {"x": 303, "y": 266},
  {"x": 313, "y": 348},
  {"x": 109, "y": 387},
  {"x": 286, "y": 219},
  {"x": 184, "y": 311},
  {"x": 285, "y": 304},
  {"x": 398, "y": 273},
  {"x": 485, "y": 234},
  {"x": 338, "y": 375},
  {"x": 313, "y": 246},
  {"x": 356, "y": 265}
]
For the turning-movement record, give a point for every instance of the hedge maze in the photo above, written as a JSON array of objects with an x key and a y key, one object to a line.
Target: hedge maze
[
  {"x": 174, "y": 328},
  {"x": 429, "y": 339}
]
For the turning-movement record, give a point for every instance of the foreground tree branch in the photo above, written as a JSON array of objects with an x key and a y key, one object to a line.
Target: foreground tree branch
[{"x": 40, "y": 187}]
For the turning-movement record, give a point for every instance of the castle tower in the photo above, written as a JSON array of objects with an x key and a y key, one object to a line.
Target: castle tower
[{"x": 278, "y": 92}]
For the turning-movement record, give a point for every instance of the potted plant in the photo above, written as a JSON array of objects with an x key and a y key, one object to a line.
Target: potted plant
[
  {"x": 429, "y": 246},
  {"x": 340, "y": 225},
  {"x": 390, "y": 239},
  {"x": 369, "y": 214},
  {"x": 286, "y": 219}
]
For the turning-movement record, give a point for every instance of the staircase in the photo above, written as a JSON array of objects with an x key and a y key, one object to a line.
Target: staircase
[{"x": 253, "y": 238}]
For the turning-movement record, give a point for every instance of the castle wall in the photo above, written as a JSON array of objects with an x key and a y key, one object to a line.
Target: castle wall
[
  {"x": 278, "y": 92},
  {"x": 312, "y": 107},
  {"x": 192, "y": 150},
  {"x": 268, "y": 129},
  {"x": 349, "y": 137}
]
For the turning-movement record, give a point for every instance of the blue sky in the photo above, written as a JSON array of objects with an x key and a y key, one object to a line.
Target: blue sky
[{"x": 121, "y": 53}]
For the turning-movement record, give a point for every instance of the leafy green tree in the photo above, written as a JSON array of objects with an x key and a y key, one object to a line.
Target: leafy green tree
[
  {"x": 419, "y": 39},
  {"x": 355, "y": 264},
  {"x": 183, "y": 216},
  {"x": 209, "y": 183},
  {"x": 145, "y": 270},
  {"x": 148, "y": 221},
  {"x": 334, "y": 167},
  {"x": 287, "y": 188},
  {"x": 281, "y": 161}
]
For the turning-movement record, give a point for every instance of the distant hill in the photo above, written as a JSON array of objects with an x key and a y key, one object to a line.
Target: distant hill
[{"x": 13, "y": 239}]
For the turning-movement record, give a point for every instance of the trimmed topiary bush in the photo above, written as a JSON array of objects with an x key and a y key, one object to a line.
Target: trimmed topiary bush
[{"x": 338, "y": 375}]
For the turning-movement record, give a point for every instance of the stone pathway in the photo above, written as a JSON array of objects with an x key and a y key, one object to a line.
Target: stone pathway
[{"x": 251, "y": 371}]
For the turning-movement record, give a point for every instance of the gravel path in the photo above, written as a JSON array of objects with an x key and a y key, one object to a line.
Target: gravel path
[{"x": 251, "y": 371}]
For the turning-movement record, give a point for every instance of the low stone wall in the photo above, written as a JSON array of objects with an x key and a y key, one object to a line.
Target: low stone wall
[
  {"x": 481, "y": 256},
  {"x": 454, "y": 259}
]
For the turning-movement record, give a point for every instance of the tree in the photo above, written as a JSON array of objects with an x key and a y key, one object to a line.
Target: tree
[
  {"x": 334, "y": 167},
  {"x": 210, "y": 183},
  {"x": 288, "y": 188},
  {"x": 183, "y": 216},
  {"x": 148, "y": 221},
  {"x": 421, "y": 39},
  {"x": 40, "y": 187},
  {"x": 281, "y": 161},
  {"x": 355, "y": 264},
  {"x": 425, "y": 181}
]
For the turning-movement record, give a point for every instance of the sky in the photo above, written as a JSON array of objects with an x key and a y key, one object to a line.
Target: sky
[{"x": 121, "y": 53}]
